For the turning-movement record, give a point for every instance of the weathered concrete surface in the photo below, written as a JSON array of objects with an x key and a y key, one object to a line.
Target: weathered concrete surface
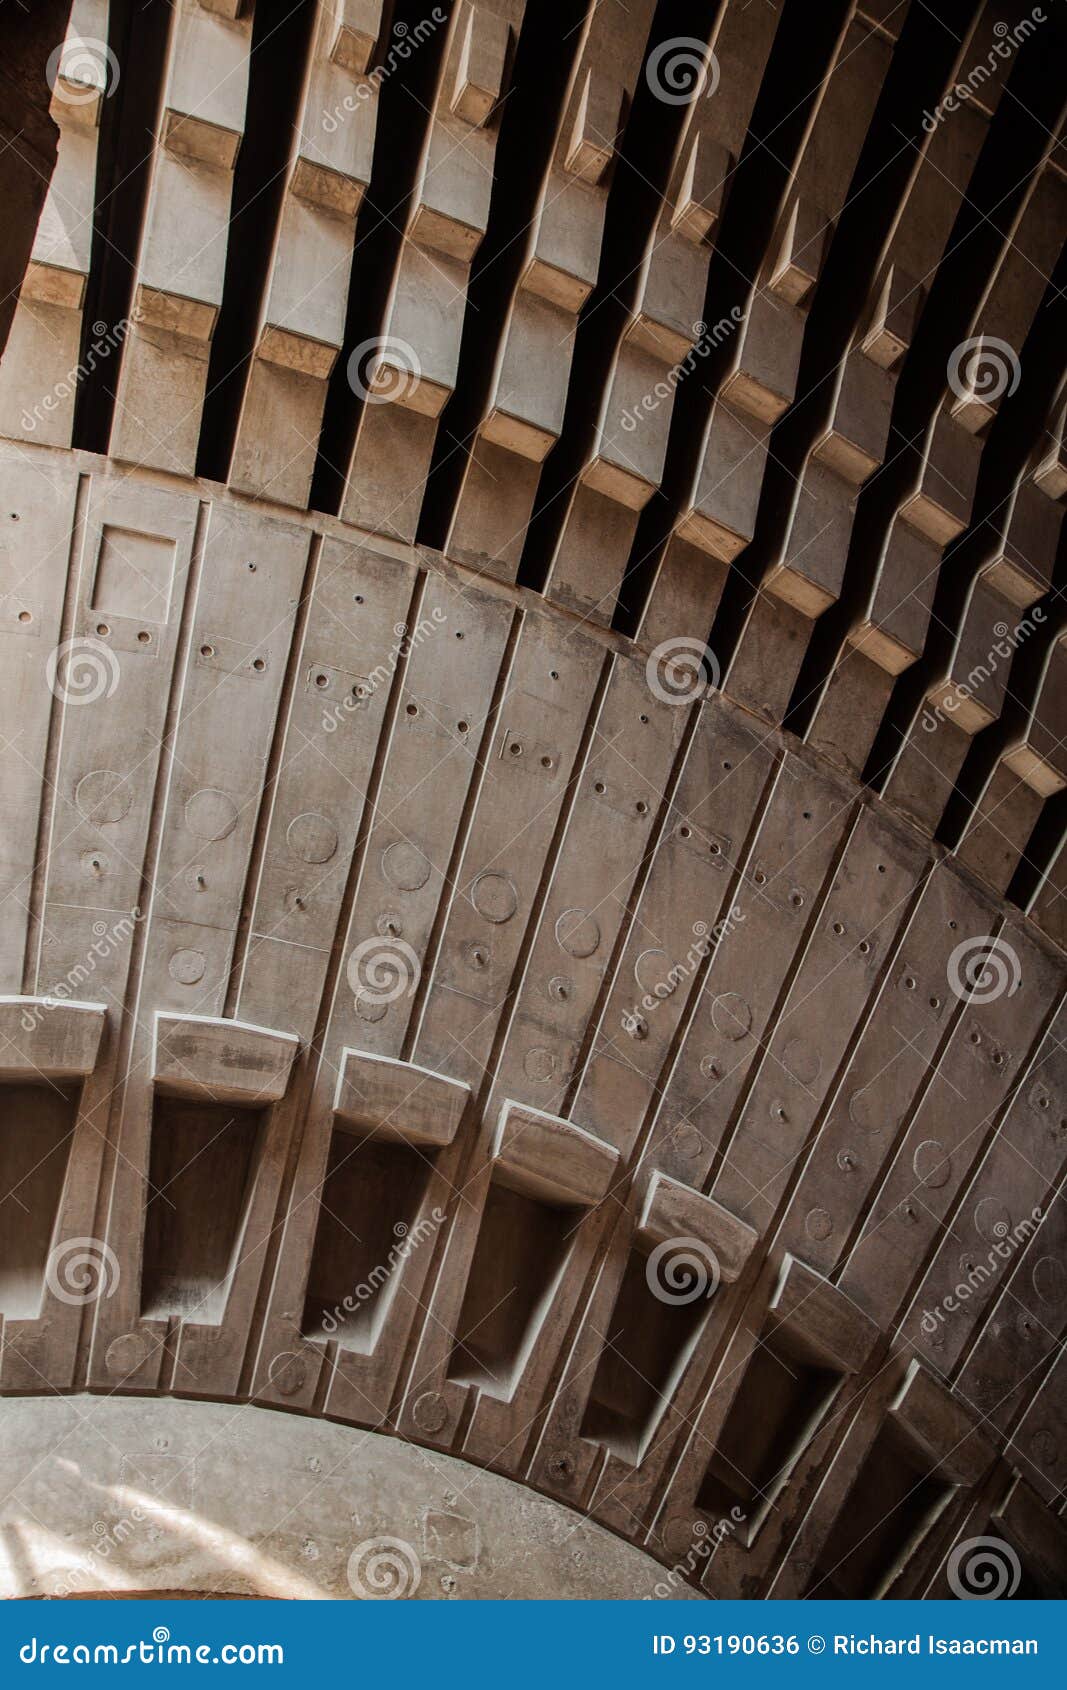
[{"x": 120, "y": 1496}]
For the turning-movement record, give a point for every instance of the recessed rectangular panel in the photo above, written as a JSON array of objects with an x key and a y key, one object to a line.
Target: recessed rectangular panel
[{"x": 134, "y": 573}]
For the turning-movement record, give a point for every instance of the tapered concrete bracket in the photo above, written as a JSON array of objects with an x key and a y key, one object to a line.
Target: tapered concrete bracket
[
  {"x": 671, "y": 1210},
  {"x": 932, "y": 1418},
  {"x": 399, "y": 1100},
  {"x": 208, "y": 1056},
  {"x": 820, "y": 1318},
  {"x": 49, "y": 1037},
  {"x": 1040, "y": 1538},
  {"x": 551, "y": 1160}
]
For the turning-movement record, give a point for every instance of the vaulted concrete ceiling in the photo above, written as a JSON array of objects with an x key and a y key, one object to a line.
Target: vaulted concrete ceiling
[{"x": 532, "y": 911}]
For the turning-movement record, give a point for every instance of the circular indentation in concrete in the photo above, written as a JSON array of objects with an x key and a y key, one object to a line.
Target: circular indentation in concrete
[
  {"x": 389, "y": 925},
  {"x": 710, "y": 1068},
  {"x": 477, "y": 957},
  {"x": 210, "y": 814},
  {"x": 862, "y": 1110},
  {"x": 802, "y": 1060},
  {"x": 992, "y": 1220},
  {"x": 95, "y": 864},
  {"x": 494, "y": 897},
  {"x": 687, "y": 1141},
  {"x": 187, "y": 967},
  {"x": 103, "y": 797},
  {"x": 287, "y": 1373},
  {"x": 652, "y": 969},
  {"x": 369, "y": 1009},
  {"x": 577, "y": 932},
  {"x": 1049, "y": 1279},
  {"x": 818, "y": 1223},
  {"x": 680, "y": 1533},
  {"x": 126, "y": 1354},
  {"x": 430, "y": 1412},
  {"x": 539, "y": 1063},
  {"x": 312, "y": 838},
  {"x": 1045, "y": 1449},
  {"x": 560, "y": 988},
  {"x": 848, "y": 1161},
  {"x": 405, "y": 866},
  {"x": 931, "y": 1163},
  {"x": 731, "y": 1015}
]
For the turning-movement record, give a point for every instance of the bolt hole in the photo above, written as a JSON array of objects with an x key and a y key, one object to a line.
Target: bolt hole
[
  {"x": 322, "y": 680},
  {"x": 252, "y": 567},
  {"x": 642, "y": 807},
  {"x": 463, "y": 727},
  {"x": 598, "y": 786},
  {"x": 459, "y": 633},
  {"x": 546, "y": 762},
  {"x": 357, "y": 598},
  {"x": 145, "y": 637},
  {"x": 258, "y": 665},
  {"x": 24, "y": 616},
  {"x": 684, "y": 832},
  {"x": 207, "y": 651},
  {"x": 554, "y": 674},
  {"x": 413, "y": 709},
  {"x": 102, "y": 628},
  {"x": 728, "y": 766}
]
